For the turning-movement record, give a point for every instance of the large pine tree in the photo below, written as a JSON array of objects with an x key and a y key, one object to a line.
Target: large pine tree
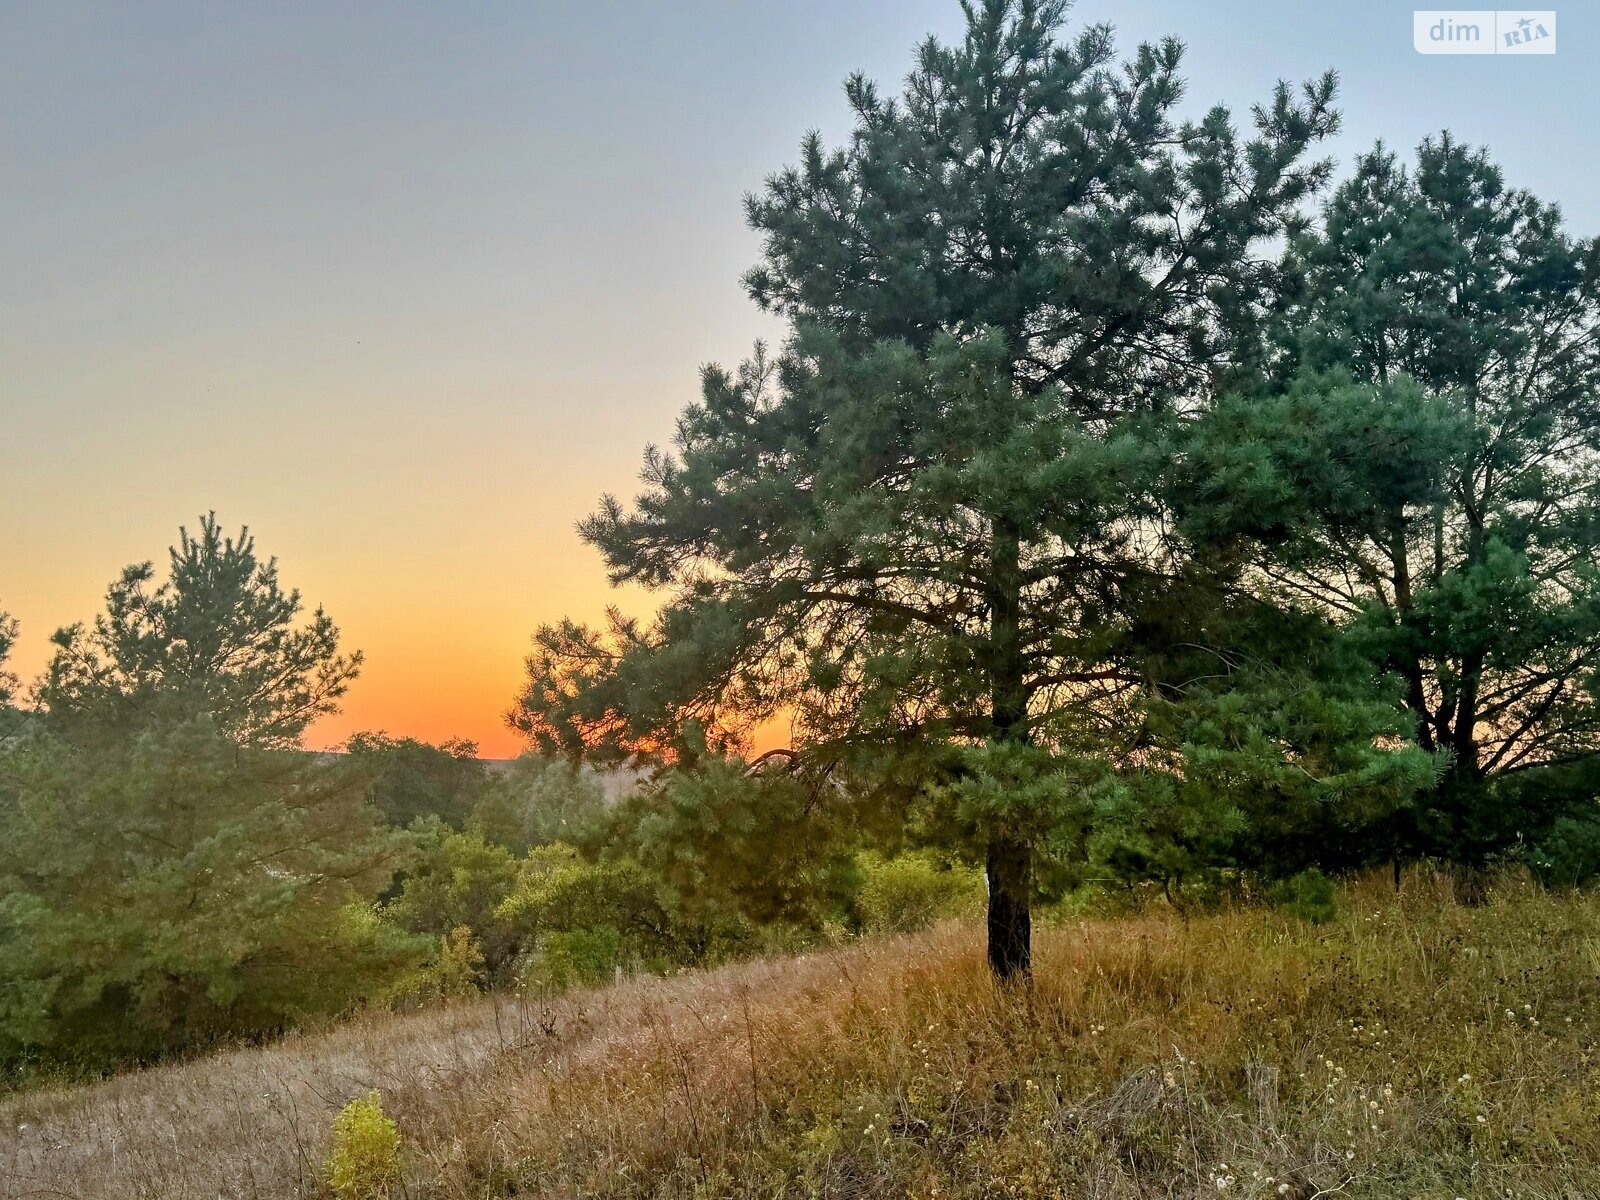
[
  {"x": 1486, "y": 599},
  {"x": 933, "y": 517}
]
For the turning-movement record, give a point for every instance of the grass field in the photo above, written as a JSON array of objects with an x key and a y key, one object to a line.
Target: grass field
[{"x": 1409, "y": 1048}]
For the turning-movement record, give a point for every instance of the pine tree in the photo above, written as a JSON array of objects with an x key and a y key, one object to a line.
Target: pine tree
[
  {"x": 173, "y": 867},
  {"x": 8, "y": 639},
  {"x": 164, "y": 890},
  {"x": 930, "y": 518},
  {"x": 218, "y": 636},
  {"x": 1486, "y": 598}
]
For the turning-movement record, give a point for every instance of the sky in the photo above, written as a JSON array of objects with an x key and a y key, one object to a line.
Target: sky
[{"x": 406, "y": 288}]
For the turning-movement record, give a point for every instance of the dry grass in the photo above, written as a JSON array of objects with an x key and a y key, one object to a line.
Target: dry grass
[{"x": 1412, "y": 1048}]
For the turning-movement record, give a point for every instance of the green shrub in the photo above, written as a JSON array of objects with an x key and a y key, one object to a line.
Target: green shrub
[
  {"x": 454, "y": 972},
  {"x": 413, "y": 780},
  {"x": 1310, "y": 895},
  {"x": 913, "y": 890},
  {"x": 364, "y": 1162},
  {"x": 578, "y": 921},
  {"x": 558, "y": 891},
  {"x": 574, "y": 958},
  {"x": 1569, "y": 854},
  {"x": 460, "y": 881},
  {"x": 224, "y": 893},
  {"x": 726, "y": 839}
]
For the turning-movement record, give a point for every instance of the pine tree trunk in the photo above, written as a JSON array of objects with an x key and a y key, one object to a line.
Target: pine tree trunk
[
  {"x": 1463, "y": 786},
  {"x": 1009, "y": 867},
  {"x": 1460, "y": 798},
  {"x": 1010, "y": 873}
]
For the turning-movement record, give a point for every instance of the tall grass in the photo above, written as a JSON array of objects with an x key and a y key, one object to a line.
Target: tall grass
[{"x": 1409, "y": 1048}]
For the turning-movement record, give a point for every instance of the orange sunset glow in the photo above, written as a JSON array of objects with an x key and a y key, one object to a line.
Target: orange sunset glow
[{"x": 406, "y": 296}]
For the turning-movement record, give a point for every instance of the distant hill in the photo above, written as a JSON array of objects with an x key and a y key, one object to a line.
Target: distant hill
[{"x": 618, "y": 782}]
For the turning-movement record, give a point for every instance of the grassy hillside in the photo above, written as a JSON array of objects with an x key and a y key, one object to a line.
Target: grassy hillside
[{"x": 1409, "y": 1048}]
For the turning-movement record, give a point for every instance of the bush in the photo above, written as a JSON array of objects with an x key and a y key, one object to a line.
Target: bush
[
  {"x": 913, "y": 890},
  {"x": 576, "y": 958},
  {"x": 460, "y": 882},
  {"x": 455, "y": 971},
  {"x": 579, "y": 921},
  {"x": 559, "y": 891},
  {"x": 1310, "y": 895},
  {"x": 726, "y": 840},
  {"x": 1569, "y": 855},
  {"x": 224, "y": 893},
  {"x": 364, "y": 1163}
]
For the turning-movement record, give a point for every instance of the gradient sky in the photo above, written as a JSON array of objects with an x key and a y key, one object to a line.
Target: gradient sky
[{"x": 406, "y": 287}]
